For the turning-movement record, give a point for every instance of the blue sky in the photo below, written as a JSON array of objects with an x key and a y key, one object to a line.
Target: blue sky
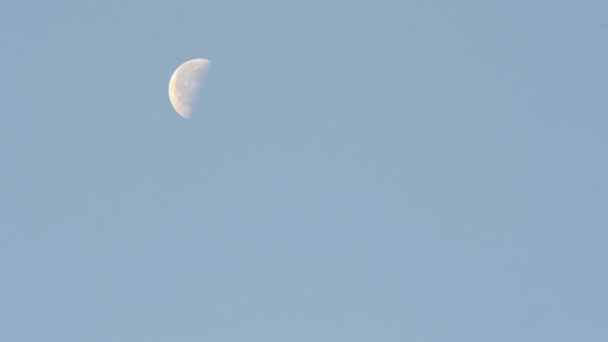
[{"x": 354, "y": 171}]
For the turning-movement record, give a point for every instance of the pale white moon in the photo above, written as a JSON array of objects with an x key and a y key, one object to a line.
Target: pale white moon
[{"x": 185, "y": 83}]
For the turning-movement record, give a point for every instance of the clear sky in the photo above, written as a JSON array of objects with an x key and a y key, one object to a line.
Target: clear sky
[{"x": 354, "y": 171}]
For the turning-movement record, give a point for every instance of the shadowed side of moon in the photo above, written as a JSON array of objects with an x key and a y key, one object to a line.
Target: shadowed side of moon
[{"x": 184, "y": 85}]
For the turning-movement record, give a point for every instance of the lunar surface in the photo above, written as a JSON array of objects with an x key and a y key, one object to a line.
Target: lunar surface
[{"x": 185, "y": 85}]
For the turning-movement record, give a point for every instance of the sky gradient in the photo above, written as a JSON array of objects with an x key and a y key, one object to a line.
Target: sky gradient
[{"x": 353, "y": 171}]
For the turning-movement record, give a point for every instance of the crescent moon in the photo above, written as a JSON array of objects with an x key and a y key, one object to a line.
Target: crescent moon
[{"x": 185, "y": 84}]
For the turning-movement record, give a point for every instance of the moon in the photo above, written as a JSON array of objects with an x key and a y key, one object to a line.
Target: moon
[{"x": 185, "y": 84}]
